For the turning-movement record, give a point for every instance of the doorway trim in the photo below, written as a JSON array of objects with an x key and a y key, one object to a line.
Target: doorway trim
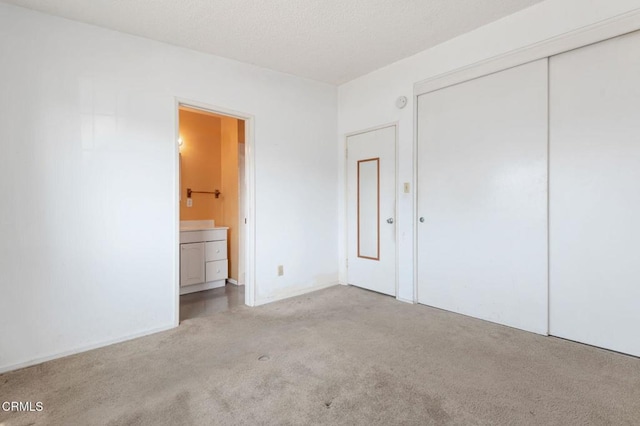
[
  {"x": 395, "y": 125},
  {"x": 250, "y": 209}
]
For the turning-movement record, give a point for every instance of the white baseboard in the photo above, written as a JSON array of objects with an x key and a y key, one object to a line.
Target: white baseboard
[
  {"x": 40, "y": 360},
  {"x": 200, "y": 287},
  {"x": 294, "y": 293},
  {"x": 232, "y": 281},
  {"x": 400, "y": 299}
]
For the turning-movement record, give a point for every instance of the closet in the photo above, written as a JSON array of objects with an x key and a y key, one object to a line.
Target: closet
[
  {"x": 594, "y": 194},
  {"x": 528, "y": 196}
]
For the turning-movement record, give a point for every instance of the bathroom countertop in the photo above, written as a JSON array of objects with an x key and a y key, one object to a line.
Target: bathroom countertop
[{"x": 199, "y": 225}]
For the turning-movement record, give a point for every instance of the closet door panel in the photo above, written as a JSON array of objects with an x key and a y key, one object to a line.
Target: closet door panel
[
  {"x": 595, "y": 194},
  {"x": 482, "y": 197}
]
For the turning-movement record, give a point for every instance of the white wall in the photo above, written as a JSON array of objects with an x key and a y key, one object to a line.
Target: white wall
[
  {"x": 370, "y": 100},
  {"x": 87, "y": 180}
]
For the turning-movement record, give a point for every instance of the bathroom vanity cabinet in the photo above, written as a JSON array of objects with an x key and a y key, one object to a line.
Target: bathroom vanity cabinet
[{"x": 203, "y": 259}]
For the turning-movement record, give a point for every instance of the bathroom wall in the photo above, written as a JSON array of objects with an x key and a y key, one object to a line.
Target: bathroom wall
[
  {"x": 229, "y": 170},
  {"x": 200, "y": 165}
]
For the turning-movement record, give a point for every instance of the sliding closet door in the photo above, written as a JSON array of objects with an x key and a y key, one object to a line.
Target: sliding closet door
[
  {"x": 482, "y": 198},
  {"x": 595, "y": 195}
]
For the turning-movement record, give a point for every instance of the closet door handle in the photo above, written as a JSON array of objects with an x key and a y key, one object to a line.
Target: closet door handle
[
  {"x": 390, "y": 220},
  {"x": 421, "y": 219}
]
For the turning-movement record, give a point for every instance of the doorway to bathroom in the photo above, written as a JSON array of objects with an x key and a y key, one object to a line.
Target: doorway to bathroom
[{"x": 214, "y": 182}]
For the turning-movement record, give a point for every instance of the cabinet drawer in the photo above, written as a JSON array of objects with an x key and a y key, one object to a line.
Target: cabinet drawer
[
  {"x": 216, "y": 270},
  {"x": 207, "y": 235},
  {"x": 215, "y": 250}
]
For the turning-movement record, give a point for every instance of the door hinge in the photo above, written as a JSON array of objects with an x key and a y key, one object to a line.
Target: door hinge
[{"x": 347, "y": 263}]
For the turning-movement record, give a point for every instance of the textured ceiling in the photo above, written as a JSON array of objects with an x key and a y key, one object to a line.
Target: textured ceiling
[{"x": 327, "y": 40}]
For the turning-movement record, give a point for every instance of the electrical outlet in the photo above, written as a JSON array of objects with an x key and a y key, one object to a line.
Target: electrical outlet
[
  {"x": 280, "y": 270},
  {"x": 189, "y": 202}
]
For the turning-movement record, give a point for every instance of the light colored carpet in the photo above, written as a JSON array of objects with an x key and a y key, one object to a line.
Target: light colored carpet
[{"x": 338, "y": 356}]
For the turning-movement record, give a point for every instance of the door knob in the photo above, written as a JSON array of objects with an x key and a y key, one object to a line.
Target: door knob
[
  {"x": 422, "y": 219},
  {"x": 390, "y": 220}
]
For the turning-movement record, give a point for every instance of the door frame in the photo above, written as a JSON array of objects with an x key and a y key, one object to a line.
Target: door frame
[
  {"x": 395, "y": 125},
  {"x": 250, "y": 196}
]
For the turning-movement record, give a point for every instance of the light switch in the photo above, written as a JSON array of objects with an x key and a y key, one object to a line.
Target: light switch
[{"x": 406, "y": 187}]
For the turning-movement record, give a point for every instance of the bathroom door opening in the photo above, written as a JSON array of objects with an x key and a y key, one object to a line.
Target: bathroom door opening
[{"x": 215, "y": 198}]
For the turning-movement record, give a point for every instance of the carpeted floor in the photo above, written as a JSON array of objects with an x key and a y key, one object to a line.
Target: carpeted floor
[{"x": 338, "y": 356}]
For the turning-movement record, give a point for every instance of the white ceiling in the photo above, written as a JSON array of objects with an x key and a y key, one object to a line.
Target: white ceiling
[{"x": 326, "y": 40}]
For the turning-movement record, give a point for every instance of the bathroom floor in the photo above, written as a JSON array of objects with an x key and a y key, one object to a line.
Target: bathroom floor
[{"x": 208, "y": 302}]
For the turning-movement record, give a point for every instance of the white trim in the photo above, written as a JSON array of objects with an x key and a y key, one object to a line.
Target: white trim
[
  {"x": 594, "y": 33},
  {"x": 81, "y": 349},
  {"x": 210, "y": 285},
  {"x": 397, "y": 206},
  {"x": 346, "y": 212},
  {"x": 250, "y": 237},
  {"x": 250, "y": 208},
  {"x": 416, "y": 222},
  {"x": 294, "y": 293},
  {"x": 396, "y": 201},
  {"x": 232, "y": 281},
  {"x": 548, "y": 200},
  {"x": 176, "y": 224}
]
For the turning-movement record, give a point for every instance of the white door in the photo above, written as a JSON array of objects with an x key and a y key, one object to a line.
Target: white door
[
  {"x": 191, "y": 263},
  {"x": 595, "y": 195},
  {"x": 371, "y": 189},
  {"x": 482, "y": 198}
]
